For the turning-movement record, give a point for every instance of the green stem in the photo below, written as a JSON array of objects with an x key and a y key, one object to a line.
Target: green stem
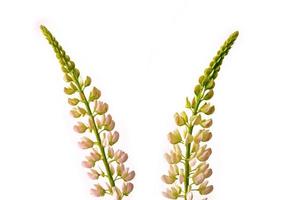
[
  {"x": 188, "y": 153},
  {"x": 96, "y": 132}
]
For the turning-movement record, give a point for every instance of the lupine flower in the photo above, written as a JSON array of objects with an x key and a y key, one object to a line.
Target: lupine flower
[
  {"x": 188, "y": 171},
  {"x": 98, "y": 191},
  {"x": 80, "y": 127},
  {"x": 127, "y": 188},
  {"x": 93, "y": 174},
  {"x": 86, "y": 143},
  {"x": 102, "y": 161}
]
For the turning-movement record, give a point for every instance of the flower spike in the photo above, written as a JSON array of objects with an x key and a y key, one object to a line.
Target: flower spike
[
  {"x": 102, "y": 161},
  {"x": 188, "y": 160}
]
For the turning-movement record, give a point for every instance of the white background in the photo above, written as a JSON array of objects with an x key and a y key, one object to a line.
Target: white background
[{"x": 146, "y": 57}]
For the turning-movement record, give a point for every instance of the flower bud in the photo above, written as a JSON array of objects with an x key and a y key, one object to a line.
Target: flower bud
[
  {"x": 205, "y": 135},
  {"x": 110, "y": 152},
  {"x": 188, "y": 103},
  {"x": 208, "y": 172},
  {"x": 95, "y": 156},
  {"x": 112, "y": 169},
  {"x": 173, "y": 158},
  {"x": 73, "y": 86},
  {"x": 207, "y": 109},
  {"x": 206, "y": 123},
  {"x": 168, "y": 179},
  {"x": 184, "y": 116},
  {"x": 93, "y": 174},
  {"x": 173, "y": 170},
  {"x": 67, "y": 78},
  {"x": 203, "y": 167},
  {"x": 172, "y": 193},
  {"x": 174, "y": 137},
  {"x": 209, "y": 95},
  {"x": 94, "y": 94},
  {"x": 127, "y": 188},
  {"x": 203, "y": 80},
  {"x": 188, "y": 139},
  {"x": 210, "y": 84},
  {"x": 73, "y": 101},
  {"x": 100, "y": 107},
  {"x": 120, "y": 169},
  {"x": 205, "y": 190},
  {"x": 196, "y": 119},
  {"x": 70, "y": 64},
  {"x": 120, "y": 156},
  {"x": 69, "y": 91},
  {"x": 74, "y": 112},
  {"x": 98, "y": 191},
  {"x": 80, "y": 127},
  {"x": 128, "y": 176},
  {"x": 81, "y": 110},
  {"x": 89, "y": 163},
  {"x": 112, "y": 138},
  {"x": 198, "y": 179},
  {"x": 195, "y": 147},
  {"x": 205, "y": 155},
  {"x": 198, "y": 89},
  {"x": 76, "y": 73},
  {"x": 179, "y": 120},
  {"x": 208, "y": 71},
  {"x": 87, "y": 81},
  {"x": 110, "y": 127},
  {"x": 85, "y": 143}
]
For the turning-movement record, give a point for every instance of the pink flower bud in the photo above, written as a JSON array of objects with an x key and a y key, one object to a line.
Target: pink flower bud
[
  {"x": 100, "y": 107},
  {"x": 127, "y": 188},
  {"x": 128, "y": 176},
  {"x": 80, "y": 127},
  {"x": 206, "y": 123},
  {"x": 111, "y": 126},
  {"x": 206, "y": 189},
  {"x": 88, "y": 163},
  {"x": 95, "y": 156},
  {"x": 181, "y": 178},
  {"x": 98, "y": 191},
  {"x": 85, "y": 143},
  {"x": 93, "y": 174},
  {"x": 112, "y": 138},
  {"x": 120, "y": 156},
  {"x": 198, "y": 179},
  {"x": 108, "y": 120},
  {"x": 208, "y": 172},
  {"x": 205, "y": 155}
]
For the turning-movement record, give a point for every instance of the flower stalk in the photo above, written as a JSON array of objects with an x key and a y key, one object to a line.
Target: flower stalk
[
  {"x": 105, "y": 164},
  {"x": 189, "y": 173}
]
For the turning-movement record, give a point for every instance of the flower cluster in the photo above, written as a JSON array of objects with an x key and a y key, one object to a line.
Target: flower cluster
[
  {"x": 105, "y": 164},
  {"x": 188, "y": 167}
]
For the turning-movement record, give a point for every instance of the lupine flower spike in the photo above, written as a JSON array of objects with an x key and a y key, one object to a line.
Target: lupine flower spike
[
  {"x": 189, "y": 170},
  {"x": 105, "y": 164}
]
